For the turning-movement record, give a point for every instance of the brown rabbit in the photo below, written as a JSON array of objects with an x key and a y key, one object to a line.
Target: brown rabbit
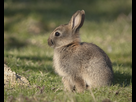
[{"x": 80, "y": 64}]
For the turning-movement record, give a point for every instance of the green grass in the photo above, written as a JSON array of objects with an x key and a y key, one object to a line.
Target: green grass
[{"x": 27, "y": 25}]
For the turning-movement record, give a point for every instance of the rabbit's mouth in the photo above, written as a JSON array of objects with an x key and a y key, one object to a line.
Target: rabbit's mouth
[{"x": 51, "y": 42}]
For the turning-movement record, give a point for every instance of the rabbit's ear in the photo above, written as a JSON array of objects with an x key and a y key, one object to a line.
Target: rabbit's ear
[{"x": 77, "y": 20}]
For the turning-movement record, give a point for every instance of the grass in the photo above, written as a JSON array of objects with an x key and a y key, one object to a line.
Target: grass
[{"x": 27, "y": 25}]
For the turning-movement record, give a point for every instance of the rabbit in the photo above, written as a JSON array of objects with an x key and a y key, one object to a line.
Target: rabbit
[{"x": 81, "y": 65}]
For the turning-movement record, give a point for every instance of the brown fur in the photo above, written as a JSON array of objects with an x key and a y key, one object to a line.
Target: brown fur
[{"x": 79, "y": 64}]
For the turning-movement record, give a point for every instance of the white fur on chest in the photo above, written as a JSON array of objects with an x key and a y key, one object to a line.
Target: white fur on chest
[{"x": 56, "y": 62}]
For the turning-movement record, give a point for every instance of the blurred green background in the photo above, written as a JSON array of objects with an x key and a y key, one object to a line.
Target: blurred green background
[
  {"x": 108, "y": 23},
  {"x": 28, "y": 23}
]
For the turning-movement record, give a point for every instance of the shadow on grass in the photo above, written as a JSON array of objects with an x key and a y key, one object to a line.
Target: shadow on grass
[
  {"x": 34, "y": 58},
  {"x": 12, "y": 42},
  {"x": 123, "y": 79}
]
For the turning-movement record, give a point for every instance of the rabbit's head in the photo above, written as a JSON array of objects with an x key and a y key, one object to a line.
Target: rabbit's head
[{"x": 68, "y": 33}]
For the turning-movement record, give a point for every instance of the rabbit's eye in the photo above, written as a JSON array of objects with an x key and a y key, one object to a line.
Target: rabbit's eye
[{"x": 57, "y": 34}]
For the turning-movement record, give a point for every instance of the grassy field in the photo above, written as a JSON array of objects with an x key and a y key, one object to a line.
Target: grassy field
[{"x": 27, "y": 25}]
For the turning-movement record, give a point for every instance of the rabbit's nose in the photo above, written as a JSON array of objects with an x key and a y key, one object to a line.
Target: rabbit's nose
[{"x": 50, "y": 42}]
